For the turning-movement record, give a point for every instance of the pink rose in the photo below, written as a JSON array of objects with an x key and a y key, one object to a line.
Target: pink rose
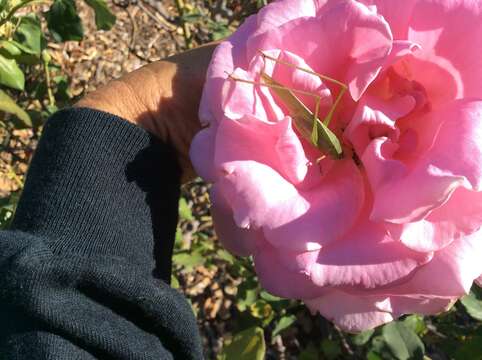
[{"x": 393, "y": 227}]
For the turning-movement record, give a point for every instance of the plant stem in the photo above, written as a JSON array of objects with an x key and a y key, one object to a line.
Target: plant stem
[
  {"x": 185, "y": 28},
  {"x": 18, "y": 7},
  {"x": 48, "y": 81},
  {"x": 13, "y": 175}
]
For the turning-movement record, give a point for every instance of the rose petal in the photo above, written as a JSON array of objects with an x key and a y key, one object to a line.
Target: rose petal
[
  {"x": 226, "y": 57},
  {"x": 201, "y": 153},
  {"x": 400, "y": 49},
  {"x": 280, "y": 12},
  {"x": 419, "y": 305},
  {"x": 439, "y": 79},
  {"x": 374, "y": 118},
  {"x": 459, "y": 263},
  {"x": 232, "y": 52},
  {"x": 396, "y": 13},
  {"x": 257, "y": 195},
  {"x": 351, "y": 313},
  {"x": 239, "y": 241},
  {"x": 380, "y": 168},
  {"x": 273, "y": 144},
  {"x": 337, "y": 36},
  {"x": 461, "y": 215},
  {"x": 255, "y": 99},
  {"x": 210, "y": 110},
  {"x": 438, "y": 27},
  {"x": 450, "y": 162},
  {"x": 241, "y": 98},
  {"x": 366, "y": 258},
  {"x": 291, "y": 155},
  {"x": 334, "y": 206},
  {"x": 293, "y": 219},
  {"x": 280, "y": 280},
  {"x": 446, "y": 67},
  {"x": 355, "y": 313}
]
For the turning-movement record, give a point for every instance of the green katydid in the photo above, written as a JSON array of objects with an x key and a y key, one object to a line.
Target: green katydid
[{"x": 306, "y": 122}]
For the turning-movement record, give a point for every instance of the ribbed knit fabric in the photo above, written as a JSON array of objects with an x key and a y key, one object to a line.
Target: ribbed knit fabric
[{"x": 85, "y": 268}]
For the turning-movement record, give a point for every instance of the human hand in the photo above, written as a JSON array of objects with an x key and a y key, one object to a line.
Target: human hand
[{"x": 162, "y": 97}]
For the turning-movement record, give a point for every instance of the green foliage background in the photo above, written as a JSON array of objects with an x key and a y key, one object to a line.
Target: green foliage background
[{"x": 258, "y": 319}]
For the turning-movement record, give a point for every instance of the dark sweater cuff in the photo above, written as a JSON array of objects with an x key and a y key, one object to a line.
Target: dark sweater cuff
[{"x": 99, "y": 185}]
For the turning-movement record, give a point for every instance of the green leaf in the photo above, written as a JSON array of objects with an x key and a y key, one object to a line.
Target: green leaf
[
  {"x": 262, "y": 310},
  {"x": 51, "y": 109},
  {"x": 283, "y": 323},
  {"x": 174, "y": 282},
  {"x": 3, "y": 5},
  {"x": 202, "y": 243},
  {"x": 402, "y": 341},
  {"x": 246, "y": 296},
  {"x": 261, "y": 3},
  {"x": 226, "y": 256},
  {"x": 473, "y": 304},
  {"x": 192, "y": 17},
  {"x": 63, "y": 22},
  {"x": 104, "y": 18},
  {"x": 10, "y": 74},
  {"x": 415, "y": 323},
  {"x": 9, "y": 49},
  {"x": 184, "y": 210},
  {"x": 188, "y": 260},
  {"x": 178, "y": 239},
  {"x": 27, "y": 59},
  {"x": 270, "y": 298},
  {"x": 218, "y": 30},
  {"x": 309, "y": 353},
  {"x": 28, "y": 36},
  {"x": 220, "y": 33},
  {"x": 246, "y": 345},
  {"x": 470, "y": 350},
  {"x": 363, "y": 337},
  {"x": 379, "y": 346},
  {"x": 371, "y": 355},
  {"x": 331, "y": 349},
  {"x": 8, "y": 105},
  {"x": 62, "y": 91}
]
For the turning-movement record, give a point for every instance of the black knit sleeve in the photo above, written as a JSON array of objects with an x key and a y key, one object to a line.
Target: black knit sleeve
[{"x": 85, "y": 268}]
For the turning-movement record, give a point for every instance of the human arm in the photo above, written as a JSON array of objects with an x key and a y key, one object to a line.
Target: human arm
[{"x": 85, "y": 267}]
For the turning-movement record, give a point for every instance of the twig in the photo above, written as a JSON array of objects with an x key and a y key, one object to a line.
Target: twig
[
  {"x": 134, "y": 29},
  {"x": 14, "y": 30},
  {"x": 153, "y": 41},
  {"x": 164, "y": 24},
  {"x": 344, "y": 342},
  {"x": 159, "y": 8},
  {"x": 134, "y": 32},
  {"x": 18, "y": 7},
  {"x": 46, "y": 60},
  {"x": 185, "y": 28},
  {"x": 175, "y": 39}
]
